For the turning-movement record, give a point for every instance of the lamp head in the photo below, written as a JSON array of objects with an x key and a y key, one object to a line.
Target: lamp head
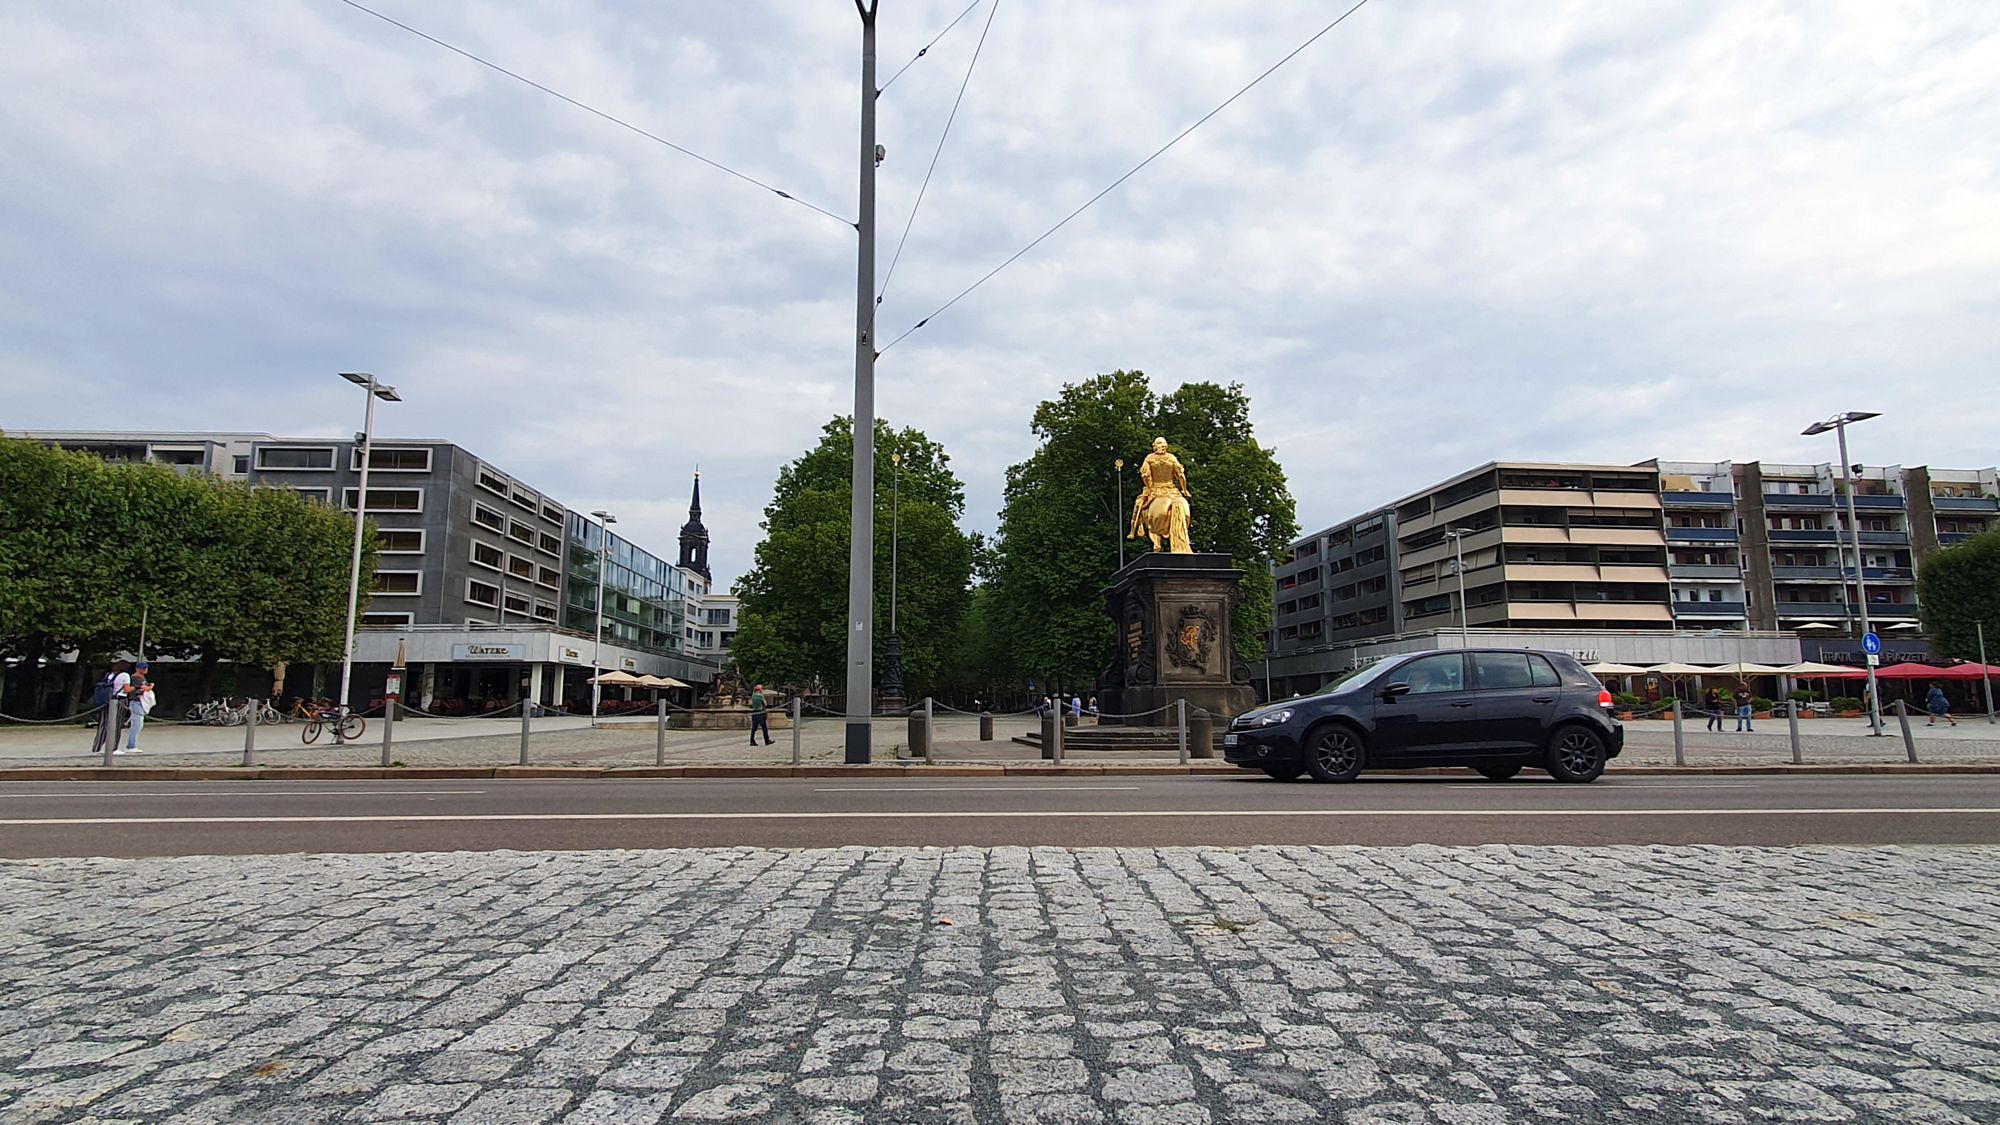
[
  {"x": 605, "y": 517},
  {"x": 1844, "y": 418}
]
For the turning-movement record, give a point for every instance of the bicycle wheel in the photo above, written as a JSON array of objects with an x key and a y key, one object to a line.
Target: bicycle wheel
[
  {"x": 267, "y": 715},
  {"x": 194, "y": 714},
  {"x": 309, "y": 734},
  {"x": 351, "y": 727}
]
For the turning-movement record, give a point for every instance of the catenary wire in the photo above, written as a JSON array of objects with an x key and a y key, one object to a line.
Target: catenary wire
[
  {"x": 597, "y": 112},
  {"x": 925, "y": 48},
  {"x": 939, "y": 151},
  {"x": 1178, "y": 137}
]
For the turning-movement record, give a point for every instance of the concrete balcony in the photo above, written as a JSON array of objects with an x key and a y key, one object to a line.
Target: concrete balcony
[
  {"x": 1705, "y": 572},
  {"x": 1701, "y": 534},
  {"x": 1732, "y": 610},
  {"x": 1704, "y": 500},
  {"x": 1824, "y": 535},
  {"x": 1807, "y": 573},
  {"x": 1819, "y": 501},
  {"x": 1965, "y": 503},
  {"x": 1886, "y": 538},
  {"x": 1878, "y": 502}
]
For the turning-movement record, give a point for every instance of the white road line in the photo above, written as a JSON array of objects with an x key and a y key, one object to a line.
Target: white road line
[
  {"x": 1490, "y": 786},
  {"x": 947, "y": 787},
  {"x": 249, "y": 792},
  {"x": 988, "y": 814}
]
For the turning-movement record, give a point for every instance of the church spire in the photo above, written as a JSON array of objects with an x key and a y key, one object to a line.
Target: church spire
[{"x": 694, "y": 537}]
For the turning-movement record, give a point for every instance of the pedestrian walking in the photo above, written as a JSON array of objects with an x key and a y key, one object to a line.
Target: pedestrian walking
[
  {"x": 1076, "y": 707},
  {"x": 759, "y": 718},
  {"x": 1938, "y": 706},
  {"x": 138, "y": 704},
  {"x": 1744, "y": 711},
  {"x": 1712, "y": 703},
  {"x": 111, "y": 687}
]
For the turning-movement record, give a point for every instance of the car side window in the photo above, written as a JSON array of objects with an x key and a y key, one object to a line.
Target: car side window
[
  {"x": 1496, "y": 670},
  {"x": 1430, "y": 674},
  {"x": 1544, "y": 675}
]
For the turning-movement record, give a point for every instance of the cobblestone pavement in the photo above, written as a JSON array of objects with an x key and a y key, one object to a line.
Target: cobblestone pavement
[
  {"x": 1824, "y": 741},
  {"x": 1007, "y": 985}
]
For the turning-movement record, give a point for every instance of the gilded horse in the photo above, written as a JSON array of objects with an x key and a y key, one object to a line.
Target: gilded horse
[{"x": 1160, "y": 511}]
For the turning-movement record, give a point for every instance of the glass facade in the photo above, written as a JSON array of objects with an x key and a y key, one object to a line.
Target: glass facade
[{"x": 645, "y": 596}]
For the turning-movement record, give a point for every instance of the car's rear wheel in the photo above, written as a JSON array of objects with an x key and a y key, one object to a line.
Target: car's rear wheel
[
  {"x": 1285, "y": 773},
  {"x": 1334, "y": 753},
  {"x": 1497, "y": 773},
  {"x": 1576, "y": 754}
]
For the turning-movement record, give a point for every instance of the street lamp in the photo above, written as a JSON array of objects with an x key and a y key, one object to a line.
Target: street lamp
[
  {"x": 1838, "y": 424},
  {"x": 1457, "y": 536},
  {"x": 376, "y": 389},
  {"x": 604, "y": 521},
  {"x": 892, "y": 655},
  {"x": 1118, "y": 517}
]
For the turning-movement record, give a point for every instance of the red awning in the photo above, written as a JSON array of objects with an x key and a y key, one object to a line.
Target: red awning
[{"x": 1910, "y": 671}]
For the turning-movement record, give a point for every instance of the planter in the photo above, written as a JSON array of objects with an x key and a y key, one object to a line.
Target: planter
[
  {"x": 1848, "y": 714},
  {"x": 1809, "y": 714},
  {"x": 1622, "y": 716},
  {"x": 1760, "y": 714}
]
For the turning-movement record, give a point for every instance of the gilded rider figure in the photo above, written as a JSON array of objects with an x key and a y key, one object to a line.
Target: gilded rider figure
[{"x": 1161, "y": 509}]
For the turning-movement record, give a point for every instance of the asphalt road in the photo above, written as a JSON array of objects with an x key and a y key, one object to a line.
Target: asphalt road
[{"x": 257, "y": 817}]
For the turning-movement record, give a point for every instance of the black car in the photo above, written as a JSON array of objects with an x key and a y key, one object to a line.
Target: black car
[{"x": 1495, "y": 710}]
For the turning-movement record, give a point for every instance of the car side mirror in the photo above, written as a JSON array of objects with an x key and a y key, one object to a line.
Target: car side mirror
[{"x": 1391, "y": 691}]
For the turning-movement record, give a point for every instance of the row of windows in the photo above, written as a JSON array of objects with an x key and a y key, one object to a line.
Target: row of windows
[
  {"x": 493, "y": 558},
  {"x": 487, "y": 594},
  {"x": 409, "y": 500},
  {"x": 516, "y": 530},
  {"x": 381, "y": 459},
  {"x": 520, "y": 497}
]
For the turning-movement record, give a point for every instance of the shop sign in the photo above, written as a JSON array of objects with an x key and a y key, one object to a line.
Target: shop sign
[
  {"x": 629, "y": 664},
  {"x": 574, "y": 656},
  {"x": 489, "y": 652}
]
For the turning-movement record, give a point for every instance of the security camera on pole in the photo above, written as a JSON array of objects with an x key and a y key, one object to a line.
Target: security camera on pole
[{"x": 365, "y": 439}]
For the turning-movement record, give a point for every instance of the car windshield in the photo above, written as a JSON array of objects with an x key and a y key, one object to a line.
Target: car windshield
[{"x": 1358, "y": 677}]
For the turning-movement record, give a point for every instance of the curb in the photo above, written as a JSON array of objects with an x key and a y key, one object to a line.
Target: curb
[{"x": 903, "y": 770}]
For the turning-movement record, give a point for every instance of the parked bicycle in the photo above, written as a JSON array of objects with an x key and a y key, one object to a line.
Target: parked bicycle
[
  {"x": 348, "y": 724},
  {"x": 217, "y": 713}
]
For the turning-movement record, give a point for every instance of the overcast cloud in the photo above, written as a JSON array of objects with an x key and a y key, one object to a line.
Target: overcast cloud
[{"x": 1445, "y": 234}]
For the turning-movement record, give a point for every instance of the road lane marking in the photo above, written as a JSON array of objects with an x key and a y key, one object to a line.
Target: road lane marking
[
  {"x": 983, "y": 814},
  {"x": 254, "y": 793},
  {"x": 1489, "y": 786},
  {"x": 948, "y": 787}
]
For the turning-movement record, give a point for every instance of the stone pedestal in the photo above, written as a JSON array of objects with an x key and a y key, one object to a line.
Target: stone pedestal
[{"x": 1174, "y": 639}]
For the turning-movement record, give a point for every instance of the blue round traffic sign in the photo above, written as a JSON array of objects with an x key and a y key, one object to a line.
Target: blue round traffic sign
[{"x": 1871, "y": 644}]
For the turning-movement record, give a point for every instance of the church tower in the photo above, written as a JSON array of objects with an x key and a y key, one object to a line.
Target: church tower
[{"x": 694, "y": 537}]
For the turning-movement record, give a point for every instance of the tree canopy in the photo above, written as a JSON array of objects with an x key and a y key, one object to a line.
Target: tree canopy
[
  {"x": 1958, "y": 588},
  {"x": 1067, "y": 507},
  {"x": 88, "y": 550},
  {"x": 794, "y": 610}
]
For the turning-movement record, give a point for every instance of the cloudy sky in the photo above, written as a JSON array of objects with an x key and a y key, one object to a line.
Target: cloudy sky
[{"x": 1444, "y": 234}]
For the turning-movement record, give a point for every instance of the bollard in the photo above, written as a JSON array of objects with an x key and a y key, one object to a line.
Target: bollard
[
  {"x": 795, "y": 730},
  {"x": 1903, "y": 720},
  {"x": 930, "y": 728},
  {"x": 915, "y": 721},
  {"x": 250, "y": 733},
  {"x": 1059, "y": 738},
  {"x": 1049, "y": 736},
  {"x": 107, "y": 728},
  {"x": 986, "y": 726},
  {"x": 1792, "y": 719},
  {"x": 660, "y": 737},
  {"x": 527, "y": 710},
  {"x": 1201, "y": 734},
  {"x": 1181, "y": 727},
  {"x": 388, "y": 732},
  {"x": 1680, "y": 750}
]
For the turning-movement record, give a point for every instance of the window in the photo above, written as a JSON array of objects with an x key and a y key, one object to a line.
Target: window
[
  {"x": 520, "y": 567},
  {"x": 546, "y": 577},
  {"x": 487, "y": 555},
  {"x": 386, "y": 618},
  {"x": 398, "y": 582},
  {"x": 550, "y": 543},
  {"x": 525, "y": 500},
  {"x": 481, "y": 593},
  {"x": 1498, "y": 670},
  {"x": 521, "y": 533},
  {"x": 493, "y": 482},
  {"x": 487, "y": 517},
  {"x": 544, "y": 611},
  {"x": 552, "y": 513},
  {"x": 399, "y": 541},
  {"x": 317, "y": 495},
  {"x": 240, "y": 464},
  {"x": 386, "y": 499},
  {"x": 1429, "y": 675},
  {"x": 517, "y": 604},
  {"x": 288, "y": 459},
  {"x": 391, "y": 459}
]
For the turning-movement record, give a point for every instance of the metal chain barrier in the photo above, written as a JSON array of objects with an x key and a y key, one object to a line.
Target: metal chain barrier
[{"x": 86, "y": 713}]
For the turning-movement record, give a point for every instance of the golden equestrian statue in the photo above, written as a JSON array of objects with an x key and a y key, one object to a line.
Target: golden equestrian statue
[{"x": 1161, "y": 509}]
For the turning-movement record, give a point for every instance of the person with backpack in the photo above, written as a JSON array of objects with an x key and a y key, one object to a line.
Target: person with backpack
[
  {"x": 1938, "y": 705},
  {"x": 112, "y": 686},
  {"x": 138, "y": 704}
]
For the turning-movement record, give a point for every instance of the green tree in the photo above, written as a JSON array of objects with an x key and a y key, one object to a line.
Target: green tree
[
  {"x": 794, "y": 615},
  {"x": 1064, "y": 513},
  {"x": 1957, "y": 589}
]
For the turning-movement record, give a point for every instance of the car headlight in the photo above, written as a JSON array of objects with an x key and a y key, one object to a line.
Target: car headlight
[{"x": 1273, "y": 718}]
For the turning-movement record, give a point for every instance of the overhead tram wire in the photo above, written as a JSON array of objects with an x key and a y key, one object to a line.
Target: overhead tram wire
[
  {"x": 939, "y": 151},
  {"x": 623, "y": 124},
  {"x": 921, "y": 51},
  {"x": 1113, "y": 186}
]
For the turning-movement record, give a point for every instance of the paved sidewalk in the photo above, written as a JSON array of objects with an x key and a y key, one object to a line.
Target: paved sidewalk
[{"x": 1007, "y": 985}]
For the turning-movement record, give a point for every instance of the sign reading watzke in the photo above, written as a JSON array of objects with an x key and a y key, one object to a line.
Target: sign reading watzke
[{"x": 489, "y": 652}]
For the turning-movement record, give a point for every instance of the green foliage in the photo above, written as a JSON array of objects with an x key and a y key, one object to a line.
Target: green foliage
[
  {"x": 88, "y": 548},
  {"x": 1066, "y": 509},
  {"x": 1957, "y": 588},
  {"x": 1626, "y": 700},
  {"x": 1759, "y": 703},
  {"x": 1844, "y": 703},
  {"x": 793, "y": 627},
  {"x": 1804, "y": 696}
]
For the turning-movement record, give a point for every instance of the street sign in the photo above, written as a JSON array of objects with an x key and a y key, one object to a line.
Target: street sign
[
  {"x": 1874, "y": 659},
  {"x": 1871, "y": 644}
]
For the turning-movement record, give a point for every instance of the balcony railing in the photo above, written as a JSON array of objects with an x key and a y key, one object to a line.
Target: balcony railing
[
  {"x": 1861, "y": 501},
  {"x": 1704, "y": 570},
  {"x": 1883, "y": 574},
  {"x": 1708, "y": 609},
  {"x": 1836, "y": 611},
  {"x": 1807, "y": 535},
  {"x": 1887, "y": 538},
  {"x": 1697, "y": 500},
  {"x": 1795, "y": 500},
  {"x": 1703, "y": 534},
  {"x": 1806, "y": 573},
  {"x": 1965, "y": 503}
]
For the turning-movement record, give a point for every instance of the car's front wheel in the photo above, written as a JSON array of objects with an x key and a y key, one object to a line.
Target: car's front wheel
[
  {"x": 1285, "y": 773},
  {"x": 1334, "y": 753},
  {"x": 1576, "y": 754},
  {"x": 1497, "y": 773}
]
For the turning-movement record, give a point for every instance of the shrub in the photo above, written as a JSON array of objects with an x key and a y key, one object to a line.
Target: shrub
[
  {"x": 1804, "y": 696},
  {"x": 1627, "y": 700},
  {"x": 1846, "y": 703},
  {"x": 1761, "y": 704}
]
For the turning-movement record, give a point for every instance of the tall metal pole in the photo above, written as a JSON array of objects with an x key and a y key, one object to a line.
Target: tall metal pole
[
  {"x": 1986, "y": 670},
  {"x": 1860, "y": 575},
  {"x": 895, "y": 529},
  {"x": 861, "y": 545},
  {"x": 597, "y": 643},
  {"x": 354, "y": 563},
  {"x": 1458, "y": 568}
]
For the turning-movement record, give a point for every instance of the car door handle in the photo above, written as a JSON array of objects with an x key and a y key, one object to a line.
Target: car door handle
[
  {"x": 1463, "y": 703},
  {"x": 1541, "y": 699}
]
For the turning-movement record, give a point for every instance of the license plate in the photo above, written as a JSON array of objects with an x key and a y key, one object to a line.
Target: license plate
[{"x": 1229, "y": 740}]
